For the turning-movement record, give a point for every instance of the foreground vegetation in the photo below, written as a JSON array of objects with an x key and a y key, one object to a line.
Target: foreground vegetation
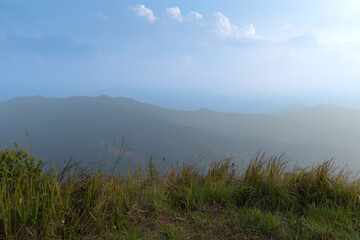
[{"x": 263, "y": 201}]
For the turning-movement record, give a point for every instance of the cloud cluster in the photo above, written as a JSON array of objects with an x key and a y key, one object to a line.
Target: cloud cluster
[
  {"x": 194, "y": 15},
  {"x": 174, "y": 13},
  {"x": 225, "y": 29},
  {"x": 141, "y": 11}
]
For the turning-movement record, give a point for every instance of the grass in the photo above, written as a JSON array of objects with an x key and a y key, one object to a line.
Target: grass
[{"x": 264, "y": 201}]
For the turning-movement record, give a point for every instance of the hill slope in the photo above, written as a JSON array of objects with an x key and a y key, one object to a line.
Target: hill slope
[{"x": 84, "y": 125}]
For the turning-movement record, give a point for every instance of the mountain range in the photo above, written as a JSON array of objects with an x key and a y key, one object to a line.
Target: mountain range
[{"x": 96, "y": 128}]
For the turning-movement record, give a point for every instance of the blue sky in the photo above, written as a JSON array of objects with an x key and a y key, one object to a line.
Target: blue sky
[{"x": 299, "y": 51}]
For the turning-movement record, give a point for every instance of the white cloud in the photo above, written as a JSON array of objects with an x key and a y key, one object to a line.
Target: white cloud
[
  {"x": 225, "y": 29},
  {"x": 141, "y": 11},
  {"x": 174, "y": 13},
  {"x": 194, "y": 15},
  {"x": 102, "y": 17},
  {"x": 223, "y": 26},
  {"x": 249, "y": 31}
]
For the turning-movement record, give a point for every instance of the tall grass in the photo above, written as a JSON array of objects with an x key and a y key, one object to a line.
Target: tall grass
[{"x": 263, "y": 201}]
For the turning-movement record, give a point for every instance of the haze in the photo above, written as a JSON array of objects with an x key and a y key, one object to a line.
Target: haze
[
  {"x": 273, "y": 75},
  {"x": 86, "y": 127}
]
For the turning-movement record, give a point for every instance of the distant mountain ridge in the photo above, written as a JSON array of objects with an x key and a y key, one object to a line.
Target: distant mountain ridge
[
  {"x": 83, "y": 126},
  {"x": 195, "y": 99}
]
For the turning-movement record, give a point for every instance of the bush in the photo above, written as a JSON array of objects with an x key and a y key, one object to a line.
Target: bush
[{"x": 18, "y": 163}]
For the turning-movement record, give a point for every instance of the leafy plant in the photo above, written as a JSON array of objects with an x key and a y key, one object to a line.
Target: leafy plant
[{"x": 19, "y": 163}]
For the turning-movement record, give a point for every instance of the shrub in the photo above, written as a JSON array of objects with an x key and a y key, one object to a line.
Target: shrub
[{"x": 18, "y": 163}]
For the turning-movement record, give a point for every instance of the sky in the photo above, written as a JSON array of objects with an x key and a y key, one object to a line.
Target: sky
[{"x": 299, "y": 51}]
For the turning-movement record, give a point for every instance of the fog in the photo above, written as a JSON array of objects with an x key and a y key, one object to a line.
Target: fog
[{"x": 91, "y": 129}]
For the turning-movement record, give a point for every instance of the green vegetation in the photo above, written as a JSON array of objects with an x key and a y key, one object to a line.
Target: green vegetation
[{"x": 264, "y": 201}]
